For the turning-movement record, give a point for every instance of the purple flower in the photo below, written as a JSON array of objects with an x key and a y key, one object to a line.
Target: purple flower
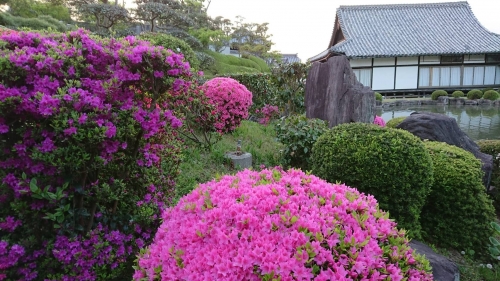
[
  {"x": 158, "y": 74},
  {"x": 4, "y": 129},
  {"x": 82, "y": 119},
  {"x": 111, "y": 131},
  {"x": 47, "y": 145},
  {"x": 70, "y": 131}
]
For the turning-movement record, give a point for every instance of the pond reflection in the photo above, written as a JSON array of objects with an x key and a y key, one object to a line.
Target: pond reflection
[{"x": 476, "y": 121}]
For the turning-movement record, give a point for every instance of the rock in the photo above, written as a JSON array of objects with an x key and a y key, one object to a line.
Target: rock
[
  {"x": 470, "y": 102},
  {"x": 334, "y": 94},
  {"x": 439, "y": 127},
  {"x": 485, "y": 102},
  {"x": 443, "y": 100},
  {"x": 443, "y": 269},
  {"x": 457, "y": 101}
]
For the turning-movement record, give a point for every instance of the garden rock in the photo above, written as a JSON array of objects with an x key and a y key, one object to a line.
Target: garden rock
[
  {"x": 443, "y": 100},
  {"x": 439, "y": 127},
  {"x": 334, "y": 94},
  {"x": 442, "y": 268}
]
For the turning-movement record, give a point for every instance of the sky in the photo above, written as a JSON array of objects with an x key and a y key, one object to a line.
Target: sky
[{"x": 304, "y": 27}]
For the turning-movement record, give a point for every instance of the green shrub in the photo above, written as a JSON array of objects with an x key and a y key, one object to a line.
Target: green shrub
[
  {"x": 261, "y": 85},
  {"x": 173, "y": 43},
  {"x": 491, "y": 95},
  {"x": 392, "y": 165},
  {"x": 474, "y": 94},
  {"x": 438, "y": 93},
  {"x": 458, "y": 94},
  {"x": 40, "y": 23},
  {"x": 206, "y": 60},
  {"x": 486, "y": 90},
  {"x": 299, "y": 134},
  {"x": 492, "y": 147},
  {"x": 458, "y": 212},
  {"x": 395, "y": 121},
  {"x": 378, "y": 96}
]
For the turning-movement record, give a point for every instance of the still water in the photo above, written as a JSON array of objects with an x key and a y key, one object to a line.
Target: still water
[{"x": 476, "y": 121}]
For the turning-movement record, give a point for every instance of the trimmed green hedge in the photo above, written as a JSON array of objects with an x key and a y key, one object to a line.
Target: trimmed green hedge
[
  {"x": 458, "y": 94},
  {"x": 458, "y": 212},
  {"x": 392, "y": 165},
  {"x": 438, "y": 93},
  {"x": 474, "y": 94},
  {"x": 491, "y": 95},
  {"x": 394, "y": 122},
  {"x": 39, "y": 23},
  {"x": 378, "y": 96},
  {"x": 228, "y": 64}
]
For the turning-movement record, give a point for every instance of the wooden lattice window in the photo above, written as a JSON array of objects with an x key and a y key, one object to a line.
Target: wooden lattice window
[{"x": 452, "y": 59}]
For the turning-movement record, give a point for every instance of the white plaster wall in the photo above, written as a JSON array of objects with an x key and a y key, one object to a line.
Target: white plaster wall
[
  {"x": 383, "y": 78},
  {"x": 384, "y": 61},
  {"x": 360, "y": 62},
  {"x": 429, "y": 59},
  {"x": 406, "y": 77},
  {"x": 407, "y": 60}
]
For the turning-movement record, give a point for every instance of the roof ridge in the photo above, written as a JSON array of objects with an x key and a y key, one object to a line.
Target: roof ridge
[{"x": 408, "y": 5}]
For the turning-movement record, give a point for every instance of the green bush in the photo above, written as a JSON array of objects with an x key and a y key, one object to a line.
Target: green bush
[
  {"x": 378, "y": 96},
  {"x": 261, "y": 85},
  {"x": 392, "y": 165},
  {"x": 486, "y": 90},
  {"x": 173, "y": 43},
  {"x": 395, "y": 121},
  {"x": 458, "y": 94},
  {"x": 458, "y": 211},
  {"x": 474, "y": 94},
  {"x": 438, "y": 93},
  {"x": 491, "y": 95},
  {"x": 299, "y": 134},
  {"x": 206, "y": 60},
  {"x": 40, "y": 23},
  {"x": 492, "y": 147}
]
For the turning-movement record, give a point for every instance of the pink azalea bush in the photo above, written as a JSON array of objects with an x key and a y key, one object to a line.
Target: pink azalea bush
[
  {"x": 379, "y": 121},
  {"x": 232, "y": 99},
  {"x": 277, "y": 225},
  {"x": 267, "y": 113},
  {"x": 88, "y": 152}
]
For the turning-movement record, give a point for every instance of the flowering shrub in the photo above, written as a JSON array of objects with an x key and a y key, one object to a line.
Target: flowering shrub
[
  {"x": 267, "y": 113},
  {"x": 379, "y": 121},
  {"x": 232, "y": 100},
  {"x": 277, "y": 225},
  {"x": 88, "y": 152},
  {"x": 263, "y": 87}
]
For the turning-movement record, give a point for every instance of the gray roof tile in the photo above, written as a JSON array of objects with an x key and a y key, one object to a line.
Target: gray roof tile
[{"x": 412, "y": 30}]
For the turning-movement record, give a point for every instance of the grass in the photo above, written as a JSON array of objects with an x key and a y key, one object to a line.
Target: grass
[
  {"x": 200, "y": 166},
  {"x": 227, "y": 64}
]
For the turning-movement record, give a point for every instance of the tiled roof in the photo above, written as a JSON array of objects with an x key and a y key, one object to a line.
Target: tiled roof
[{"x": 412, "y": 30}]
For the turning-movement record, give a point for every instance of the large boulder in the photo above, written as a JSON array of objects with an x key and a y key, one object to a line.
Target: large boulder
[
  {"x": 442, "y": 268},
  {"x": 334, "y": 94},
  {"x": 439, "y": 127}
]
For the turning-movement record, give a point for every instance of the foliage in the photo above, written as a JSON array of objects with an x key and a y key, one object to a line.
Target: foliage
[
  {"x": 276, "y": 225},
  {"x": 232, "y": 101},
  {"x": 378, "y": 96},
  {"x": 299, "y": 134},
  {"x": 392, "y": 165},
  {"x": 379, "y": 121},
  {"x": 200, "y": 165},
  {"x": 494, "y": 247},
  {"x": 438, "y": 93},
  {"x": 492, "y": 147},
  {"x": 208, "y": 37},
  {"x": 267, "y": 113},
  {"x": 33, "y": 9},
  {"x": 251, "y": 38},
  {"x": 491, "y": 95},
  {"x": 474, "y": 94},
  {"x": 167, "y": 12},
  {"x": 262, "y": 87},
  {"x": 39, "y": 23},
  {"x": 173, "y": 43},
  {"x": 104, "y": 15},
  {"x": 206, "y": 60},
  {"x": 395, "y": 121},
  {"x": 458, "y": 200},
  {"x": 88, "y": 152},
  {"x": 486, "y": 89},
  {"x": 458, "y": 94},
  {"x": 290, "y": 79}
]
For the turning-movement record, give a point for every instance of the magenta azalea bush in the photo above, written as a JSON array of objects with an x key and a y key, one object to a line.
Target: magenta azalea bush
[
  {"x": 88, "y": 152},
  {"x": 232, "y": 99},
  {"x": 277, "y": 225},
  {"x": 267, "y": 113},
  {"x": 379, "y": 121}
]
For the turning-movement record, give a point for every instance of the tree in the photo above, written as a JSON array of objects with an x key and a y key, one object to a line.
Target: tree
[
  {"x": 215, "y": 38},
  {"x": 163, "y": 14},
  {"x": 251, "y": 38},
  {"x": 105, "y": 15}
]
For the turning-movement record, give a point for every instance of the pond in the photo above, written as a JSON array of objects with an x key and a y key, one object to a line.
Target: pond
[{"x": 478, "y": 122}]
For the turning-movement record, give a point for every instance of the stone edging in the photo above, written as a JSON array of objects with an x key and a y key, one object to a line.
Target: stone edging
[{"x": 441, "y": 101}]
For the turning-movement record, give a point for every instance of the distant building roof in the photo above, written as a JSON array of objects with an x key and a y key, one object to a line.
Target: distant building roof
[
  {"x": 409, "y": 30},
  {"x": 290, "y": 58}
]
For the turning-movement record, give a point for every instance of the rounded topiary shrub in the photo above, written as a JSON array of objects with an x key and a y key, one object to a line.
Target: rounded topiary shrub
[
  {"x": 232, "y": 99},
  {"x": 491, "y": 95},
  {"x": 458, "y": 212},
  {"x": 492, "y": 147},
  {"x": 378, "y": 96},
  {"x": 486, "y": 90},
  {"x": 392, "y": 165},
  {"x": 276, "y": 225},
  {"x": 458, "y": 94},
  {"x": 438, "y": 93},
  {"x": 395, "y": 121},
  {"x": 474, "y": 94}
]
